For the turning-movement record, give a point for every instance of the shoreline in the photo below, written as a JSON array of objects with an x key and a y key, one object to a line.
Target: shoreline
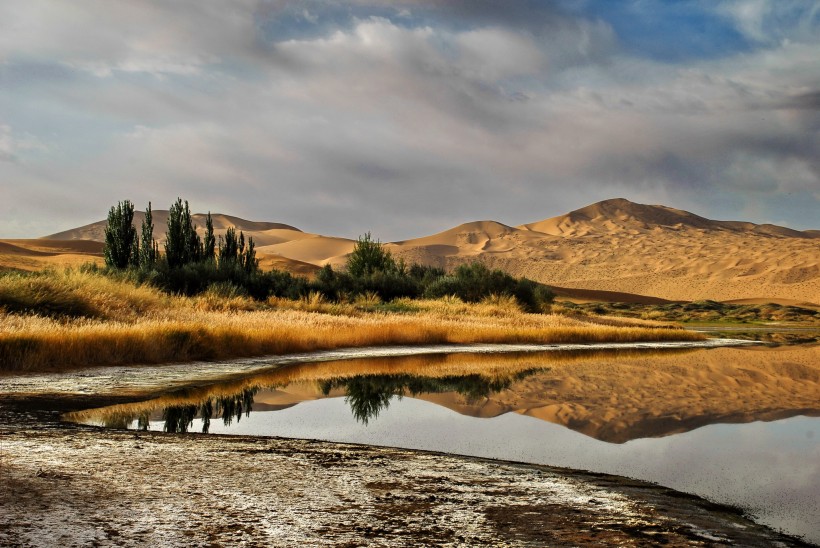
[
  {"x": 58, "y": 473},
  {"x": 132, "y": 488},
  {"x": 131, "y": 379}
]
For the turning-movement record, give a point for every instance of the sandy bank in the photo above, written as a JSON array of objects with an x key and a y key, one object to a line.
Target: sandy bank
[{"x": 67, "y": 485}]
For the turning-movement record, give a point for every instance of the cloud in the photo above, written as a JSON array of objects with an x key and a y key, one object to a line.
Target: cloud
[
  {"x": 101, "y": 37},
  {"x": 772, "y": 21},
  {"x": 366, "y": 117}
]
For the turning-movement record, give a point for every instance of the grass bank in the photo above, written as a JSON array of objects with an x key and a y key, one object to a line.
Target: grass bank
[{"x": 64, "y": 320}]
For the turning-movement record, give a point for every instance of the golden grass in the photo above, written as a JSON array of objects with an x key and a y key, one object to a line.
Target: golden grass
[{"x": 125, "y": 324}]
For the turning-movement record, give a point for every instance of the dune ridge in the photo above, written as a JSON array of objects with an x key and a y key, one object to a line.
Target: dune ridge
[{"x": 611, "y": 247}]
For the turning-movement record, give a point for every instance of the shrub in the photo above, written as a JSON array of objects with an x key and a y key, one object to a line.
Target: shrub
[
  {"x": 369, "y": 256},
  {"x": 474, "y": 282}
]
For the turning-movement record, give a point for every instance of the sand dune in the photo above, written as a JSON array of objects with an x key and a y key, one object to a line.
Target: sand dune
[
  {"x": 613, "y": 249},
  {"x": 263, "y": 233},
  {"x": 42, "y": 253},
  {"x": 314, "y": 249},
  {"x": 277, "y": 262},
  {"x": 655, "y": 251}
]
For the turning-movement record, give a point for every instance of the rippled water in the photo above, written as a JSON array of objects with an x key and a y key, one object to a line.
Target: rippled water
[{"x": 736, "y": 425}]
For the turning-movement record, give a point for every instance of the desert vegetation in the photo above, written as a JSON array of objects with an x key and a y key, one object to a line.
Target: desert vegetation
[
  {"x": 208, "y": 299},
  {"x": 192, "y": 265},
  {"x": 75, "y": 318},
  {"x": 702, "y": 312}
]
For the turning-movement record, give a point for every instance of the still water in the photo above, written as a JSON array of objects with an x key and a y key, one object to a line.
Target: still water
[{"x": 735, "y": 425}]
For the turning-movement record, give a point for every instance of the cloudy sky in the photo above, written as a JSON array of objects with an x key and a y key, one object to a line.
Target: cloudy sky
[{"x": 407, "y": 117}]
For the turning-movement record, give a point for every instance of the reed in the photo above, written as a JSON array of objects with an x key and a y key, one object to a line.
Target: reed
[{"x": 112, "y": 322}]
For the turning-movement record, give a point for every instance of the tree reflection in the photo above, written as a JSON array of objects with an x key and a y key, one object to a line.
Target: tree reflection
[
  {"x": 368, "y": 395},
  {"x": 180, "y": 418}
]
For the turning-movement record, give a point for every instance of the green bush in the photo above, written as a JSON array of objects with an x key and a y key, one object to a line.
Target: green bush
[{"x": 473, "y": 282}]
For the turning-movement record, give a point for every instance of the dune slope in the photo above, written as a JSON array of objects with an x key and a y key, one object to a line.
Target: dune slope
[{"x": 613, "y": 246}]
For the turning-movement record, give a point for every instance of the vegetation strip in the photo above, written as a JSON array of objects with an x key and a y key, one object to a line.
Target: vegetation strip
[{"x": 208, "y": 300}]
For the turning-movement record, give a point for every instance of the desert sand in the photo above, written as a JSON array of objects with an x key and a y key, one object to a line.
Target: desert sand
[
  {"x": 612, "y": 246},
  {"x": 38, "y": 254}
]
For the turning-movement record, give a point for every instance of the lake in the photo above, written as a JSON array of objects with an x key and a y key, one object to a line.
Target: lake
[{"x": 739, "y": 426}]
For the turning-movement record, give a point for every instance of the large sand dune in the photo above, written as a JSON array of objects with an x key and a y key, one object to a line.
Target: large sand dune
[
  {"x": 620, "y": 246},
  {"x": 612, "y": 246}
]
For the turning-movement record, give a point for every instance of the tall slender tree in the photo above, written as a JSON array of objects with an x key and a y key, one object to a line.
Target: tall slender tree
[
  {"x": 209, "y": 244},
  {"x": 182, "y": 243},
  {"x": 249, "y": 260},
  {"x": 148, "y": 251},
  {"x": 228, "y": 247},
  {"x": 120, "y": 236}
]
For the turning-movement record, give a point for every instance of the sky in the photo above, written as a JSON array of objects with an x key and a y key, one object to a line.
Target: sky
[{"x": 405, "y": 118}]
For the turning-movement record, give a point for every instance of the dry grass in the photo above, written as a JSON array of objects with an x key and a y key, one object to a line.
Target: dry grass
[{"x": 112, "y": 322}]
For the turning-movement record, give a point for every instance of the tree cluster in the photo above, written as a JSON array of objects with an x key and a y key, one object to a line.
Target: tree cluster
[
  {"x": 191, "y": 264},
  {"x": 372, "y": 269}
]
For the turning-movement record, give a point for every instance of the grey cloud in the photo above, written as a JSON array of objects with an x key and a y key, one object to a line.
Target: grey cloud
[
  {"x": 804, "y": 101},
  {"x": 405, "y": 129}
]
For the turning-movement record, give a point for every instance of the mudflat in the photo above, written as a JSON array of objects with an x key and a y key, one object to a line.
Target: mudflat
[{"x": 74, "y": 485}]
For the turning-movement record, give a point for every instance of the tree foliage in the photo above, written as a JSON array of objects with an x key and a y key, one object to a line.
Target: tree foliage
[
  {"x": 148, "y": 249},
  {"x": 369, "y": 256},
  {"x": 121, "y": 248},
  {"x": 209, "y": 244},
  {"x": 182, "y": 244}
]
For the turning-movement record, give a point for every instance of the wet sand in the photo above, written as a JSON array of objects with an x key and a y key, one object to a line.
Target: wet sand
[{"x": 74, "y": 485}]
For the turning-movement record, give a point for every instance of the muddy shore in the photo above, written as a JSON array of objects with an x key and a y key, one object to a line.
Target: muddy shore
[{"x": 72, "y": 485}]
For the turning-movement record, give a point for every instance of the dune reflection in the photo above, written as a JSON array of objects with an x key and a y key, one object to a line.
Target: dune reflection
[{"x": 614, "y": 396}]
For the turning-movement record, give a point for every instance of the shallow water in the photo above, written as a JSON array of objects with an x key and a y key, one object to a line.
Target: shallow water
[{"x": 735, "y": 425}]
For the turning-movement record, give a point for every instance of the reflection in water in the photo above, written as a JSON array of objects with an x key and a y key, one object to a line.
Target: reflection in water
[
  {"x": 650, "y": 407},
  {"x": 367, "y": 395},
  {"x": 180, "y": 418},
  {"x": 611, "y": 396}
]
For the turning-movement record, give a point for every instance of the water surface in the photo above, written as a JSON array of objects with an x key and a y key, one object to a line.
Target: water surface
[{"x": 735, "y": 425}]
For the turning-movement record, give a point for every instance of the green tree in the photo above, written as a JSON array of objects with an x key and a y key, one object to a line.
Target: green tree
[
  {"x": 120, "y": 236},
  {"x": 148, "y": 249},
  {"x": 182, "y": 244},
  {"x": 228, "y": 247},
  {"x": 249, "y": 261},
  {"x": 234, "y": 250},
  {"x": 369, "y": 256},
  {"x": 209, "y": 244}
]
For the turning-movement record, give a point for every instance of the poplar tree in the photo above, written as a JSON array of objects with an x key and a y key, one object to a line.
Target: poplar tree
[
  {"x": 148, "y": 249},
  {"x": 120, "y": 236},
  {"x": 228, "y": 247},
  {"x": 209, "y": 244},
  {"x": 249, "y": 260},
  {"x": 182, "y": 244}
]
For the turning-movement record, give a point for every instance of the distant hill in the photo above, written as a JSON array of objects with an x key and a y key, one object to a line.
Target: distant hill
[
  {"x": 610, "y": 248},
  {"x": 96, "y": 231},
  {"x": 635, "y": 249},
  {"x": 619, "y": 214}
]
